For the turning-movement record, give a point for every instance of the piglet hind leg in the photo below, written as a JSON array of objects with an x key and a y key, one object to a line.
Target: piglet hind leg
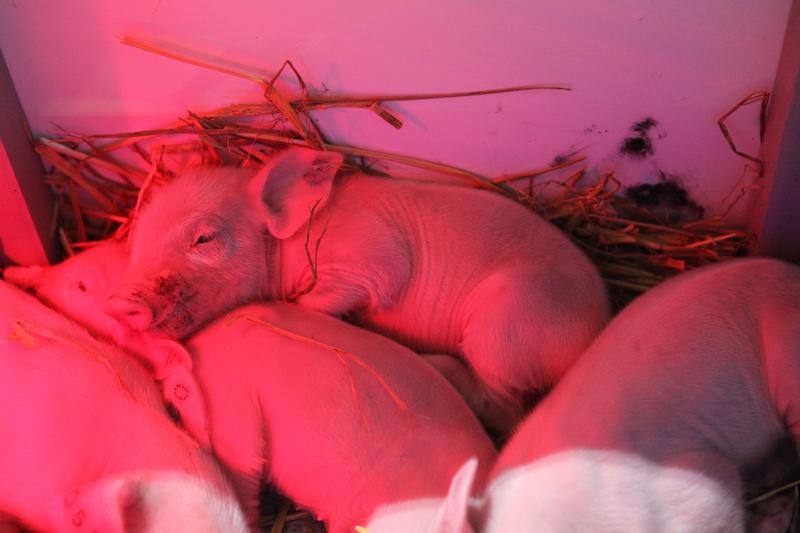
[
  {"x": 498, "y": 414},
  {"x": 523, "y": 330}
]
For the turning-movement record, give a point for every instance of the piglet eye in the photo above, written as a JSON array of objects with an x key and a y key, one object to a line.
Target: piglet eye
[
  {"x": 204, "y": 238},
  {"x": 204, "y": 233}
]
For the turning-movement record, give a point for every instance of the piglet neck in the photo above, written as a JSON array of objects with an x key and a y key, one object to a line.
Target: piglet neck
[{"x": 272, "y": 287}]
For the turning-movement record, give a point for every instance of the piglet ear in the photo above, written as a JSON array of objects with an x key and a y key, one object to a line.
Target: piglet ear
[
  {"x": 179, "y": 388},
  {"x": 107, "y": 505},
  {"x": 453, "y": 516},
  {"x": 290, "y": 185},
  {"x": 24, "y": 277},
  {"x": 172, "y": 366},
  {"x": 163, "y": 354}
]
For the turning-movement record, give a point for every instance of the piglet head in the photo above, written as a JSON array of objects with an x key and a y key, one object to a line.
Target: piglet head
[
  {"x": 78, "y": 286},
  {"x": 198, "y": 245}
]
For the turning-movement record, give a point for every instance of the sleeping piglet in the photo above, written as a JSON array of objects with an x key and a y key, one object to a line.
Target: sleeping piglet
[
  {"x": 77, "y": 288},
  {"x": 681, "y": 399},
  {"x": 87, "y": 444},
  {"x": 74, "y": 285},
  {"x": 442, "y": 269},
  {"x": 345, "y": 422}
]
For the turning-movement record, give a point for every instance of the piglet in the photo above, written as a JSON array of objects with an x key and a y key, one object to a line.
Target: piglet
[
  {"x": 87, "y": 443},
  {"x": 442, "y": 269},
  {"x": 77, "y": 288},
  {"x": 345, "y": 422},
  {"x": 74, "y": 285},
  {"x": 672, "y": 408}
]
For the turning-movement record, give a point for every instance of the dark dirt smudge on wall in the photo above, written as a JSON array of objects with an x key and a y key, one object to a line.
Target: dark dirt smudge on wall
[{"x": 639, "y": 145}]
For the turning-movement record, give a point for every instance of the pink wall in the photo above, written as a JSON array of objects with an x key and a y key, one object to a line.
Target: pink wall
[{"x": 682, "y": 62}]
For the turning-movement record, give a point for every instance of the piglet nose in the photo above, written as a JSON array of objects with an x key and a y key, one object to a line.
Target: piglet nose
[{"x": 129, "y": 311}]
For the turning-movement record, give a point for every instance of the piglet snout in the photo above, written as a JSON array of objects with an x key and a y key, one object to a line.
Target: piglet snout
[{"x": 129, "y": 310}]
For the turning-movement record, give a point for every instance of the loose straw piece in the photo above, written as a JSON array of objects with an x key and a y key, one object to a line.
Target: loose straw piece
[
  {"x": 338, "y": 351},
  {"x": 539, "y": 172},
  {"x": 24, "y": 332},
  {"x": 83, "y": 157},
  {"x": 323, "y": 102},
  {"x": 280, "y": 520},
  {"x": 51, "y": 155},
  {"x": 125, "y": 227},
  {"x": 330, "y": 100},
  {"x": 20, "y": 333},
  {"x": 64, "y": 240},
  {"x": 312, "y": 261},
  {"x": 759, "y": 96},
  {"x": 481, "y": 181},
  {"x": 290, "y": 517},
  {"x": 183, "y": 58},
  {"x": 774, "y": 492}
]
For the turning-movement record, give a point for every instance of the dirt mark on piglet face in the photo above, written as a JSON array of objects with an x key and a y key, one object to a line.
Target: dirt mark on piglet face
[
  {"x": 167, "y": 286},
  {"x": 171, "y": 296},
  {"x": 181, "y": 321}
]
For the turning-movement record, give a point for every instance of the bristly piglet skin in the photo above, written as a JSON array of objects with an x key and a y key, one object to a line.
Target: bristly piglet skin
[
  {"x": 87, "y": 444},
  {"x": 442, "y": 269},
  {"x": 342, "y": 420},
  {"x": 661, "y": 422}
]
